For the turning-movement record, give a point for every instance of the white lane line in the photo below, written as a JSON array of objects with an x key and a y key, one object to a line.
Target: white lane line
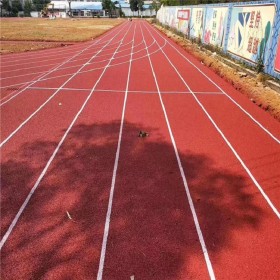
[
  {"x": 96, "y": 69},
  {"x": 109, "y": 210},
  {"x": 48, "y": 60},
  {"x": 33, "y": 58},
  {"x": 91, "y": 70},
  {"x": 195, "y": 218},
  {"x": 227, "y": 142},
  {"x": 230, "y": 98},
  {"x": 40, "y": 78},
  {"x": 130, "y": 91},
  {"x": 23, "y": 206},
  {"x": 61, "y": 87},
  {"x": 70, "y": 67}
]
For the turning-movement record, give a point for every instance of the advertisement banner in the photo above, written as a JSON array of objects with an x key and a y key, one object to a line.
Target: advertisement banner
[
  {"x": 196, "y": 29},
  {"x": 183, "y": 17},
  {"x": 215, "y": 26},
  {"x": 250, "y": 31},
  {"x": 277, "y": 58}
]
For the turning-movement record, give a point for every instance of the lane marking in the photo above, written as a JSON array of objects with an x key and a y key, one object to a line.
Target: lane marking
[
  {"x": 235, "y": 102},
  {"x": 34, "y": 57},
  {"x": 41, "y": 106},
  {"x": 109, "y": 209},
  {"x": 40, "y": 78},
  {"x": 227, "y": 142},
  {"x": 69, "y": 67},
  {"x": 195, "y": 218},
  {"x": 91, "y": 70},
  {"x": 129, "y": 91},
  {"x": 39, "y": 66},
  {"x": 95, "y": 69},
  {"x": 23, "y": 206}
]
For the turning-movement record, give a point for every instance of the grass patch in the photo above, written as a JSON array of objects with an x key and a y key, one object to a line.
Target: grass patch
[{"x": 45, "y": 30}]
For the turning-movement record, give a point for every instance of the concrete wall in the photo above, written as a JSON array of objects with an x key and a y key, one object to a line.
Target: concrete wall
[{"x": 247, "y": 31}]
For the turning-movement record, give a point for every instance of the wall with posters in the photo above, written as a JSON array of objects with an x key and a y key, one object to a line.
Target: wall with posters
[
  {"x": 251, "y": 31},
  {"x": 277, "y": 58},
  {"x": 247, "y": 31},
  {"x": 215, "y": 26}
]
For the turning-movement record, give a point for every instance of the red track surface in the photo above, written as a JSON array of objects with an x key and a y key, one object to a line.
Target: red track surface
[{"x": 83, "y": 197}]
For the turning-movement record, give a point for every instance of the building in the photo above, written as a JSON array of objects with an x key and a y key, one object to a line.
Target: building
[
  {"x": 91, "y": 8},
  {"x": 62, "y": 8}
]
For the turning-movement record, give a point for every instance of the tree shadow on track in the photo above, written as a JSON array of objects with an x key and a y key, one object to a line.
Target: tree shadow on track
[{"x": 152, "y": 234}]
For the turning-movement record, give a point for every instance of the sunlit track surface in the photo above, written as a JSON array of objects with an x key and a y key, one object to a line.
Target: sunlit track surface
[
  {"x": 84, "y": 197},
  {"x": 22, "y": 86}
]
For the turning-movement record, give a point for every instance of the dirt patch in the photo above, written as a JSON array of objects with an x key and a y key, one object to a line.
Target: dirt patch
[
  {"x": 25, "y": 46},
  {"x": 27, "y": 34},
  {"x": 253, "y": 87}
]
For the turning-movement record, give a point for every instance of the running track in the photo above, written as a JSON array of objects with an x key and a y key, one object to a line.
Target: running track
[{"x": 84, "y": 198}]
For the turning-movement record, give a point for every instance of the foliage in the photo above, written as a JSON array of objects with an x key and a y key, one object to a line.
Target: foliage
[
  {"x": 140, "y": 5},
  {"x": 133, "y": 5},
  {"x": 136, "y": 5},
  {"x": 155, "y": 5},
  {"x": 16, "y": 7},
  {"x": 40, "y": 4},
  {"x": 27, "y": 8},
  {"x": 6, "y": 6},
  {"x": 108, "y": 6}
]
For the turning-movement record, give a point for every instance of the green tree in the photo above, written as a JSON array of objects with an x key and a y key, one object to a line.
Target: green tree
[
  {"x": 133, "y": 5},
  {"x": 155, "y": 5},
  {"x": 140, "y": 6},
  {"x": 108, "y": 6},
  {"x": 27, "y": 8},
  {"x": 16, "y": 7},
  {"x": 39, "y": 5},
  {"x": 136, "y": 5},
  {"x": 6, "y": 6}
]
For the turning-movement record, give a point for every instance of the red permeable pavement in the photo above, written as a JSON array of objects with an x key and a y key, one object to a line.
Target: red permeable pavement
[
  {"x": 78, "y": 181},
  {"x": 99, "y": 126},
  {"x": 238, "y": 225},
  {"x": 152, "y": 233},
  {"x": 259, "y": 151},
  {"x": 235, "y": 217},
  {"x": 12, "y": 82},
  {"x": 28, "y": 151},
  {"x": 13, "y": 117}
]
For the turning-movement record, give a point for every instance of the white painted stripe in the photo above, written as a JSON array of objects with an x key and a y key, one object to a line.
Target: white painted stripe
[
  {"x": 32, "y": 57},
  {"x": 236, "y": 103},
  {"x": 40, "y": 107},
  {"x": 91, "y": 70},
  {"x": 111, "y": 65},
  {"x": 229, "y": 144},
  {"x": 109, "y": 210},
  {"x": 70, "y": 67},
  {"x": 52, "y": 70},
  {"x": 72, "y": 60},
  {"x": 195, "y": 218},
  {"x": 23, "y": 206},
  {"x": 129, "y": 91}
]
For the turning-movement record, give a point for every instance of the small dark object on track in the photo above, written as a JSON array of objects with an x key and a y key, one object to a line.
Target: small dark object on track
[{"x": 143, "y": 134}]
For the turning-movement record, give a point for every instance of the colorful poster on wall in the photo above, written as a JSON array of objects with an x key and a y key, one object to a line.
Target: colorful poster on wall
[
  {"x": 196, "y": 29},
  {"x": 277, "y": 58},
  {"x": 183, "y": 17},
  {"x": 215, "y": 26},
  {"x": 170, "y": 17},
  {"x": 250, "y": 31}
]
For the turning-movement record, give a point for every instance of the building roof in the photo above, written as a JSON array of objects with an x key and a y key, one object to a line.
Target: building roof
[{"x": 77, "y": 5}]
